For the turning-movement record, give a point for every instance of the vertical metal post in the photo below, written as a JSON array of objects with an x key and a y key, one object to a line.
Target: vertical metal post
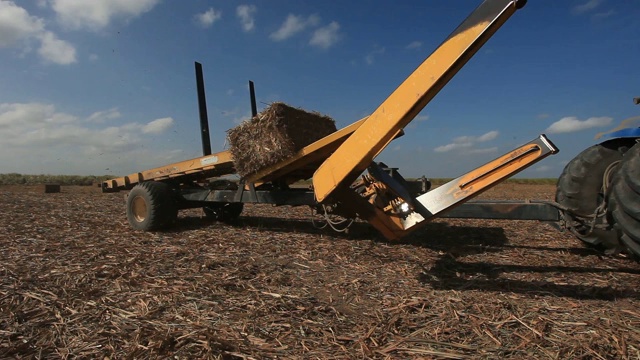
[
  {"x": 252, "y": 93},
  {"x": 202, "y": 106}
]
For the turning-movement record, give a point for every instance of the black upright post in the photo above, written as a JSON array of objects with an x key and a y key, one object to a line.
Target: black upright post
[
  {"x": 252, "y": 94},
  {"x": 202, "y": 106}
]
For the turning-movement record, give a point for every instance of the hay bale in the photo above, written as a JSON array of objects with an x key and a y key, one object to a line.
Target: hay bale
[
  {"x": 51, "y": 188},
  {"x": 274, "y": 135}
]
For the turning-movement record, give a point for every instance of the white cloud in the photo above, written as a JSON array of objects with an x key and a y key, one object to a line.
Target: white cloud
[
  {"x": 370, "y": 58},
  {"x": 246, "y": 15},
  {"x": 573, "y": 124},
  {"x": 453, "y": 146},
  {"x": 292, "y": 25},
  {"x": 586, "y": 7},
  {"x": 103, "y": 116},
  {"x": 207, "y": 18},
  {"x": 40, "y": 127},
  {"x": 30, "y": 114},
  {"x": 47, "y": 140},
  {"x": 491, "y": 135},
  {"x": 16, "y": 24},
  {"x": 462, "y": 142},
  {"x": 414, "y": 45},
  {"x": 542, "y": 168},
  {"x": 55, "y": 50},
  {"x": 98, "y": 14},
  {"x": 242, "y": 118},
  {"x": 93, "y": 57},
  {"x": 484, "y": 150},
  {"x": 157, "y": 126},
  {"x": 604, "y": 14},
  {"x": 422, "y": 118},
  {"x": 326, "y": 36},
  {"x": 17, "y": 27}
]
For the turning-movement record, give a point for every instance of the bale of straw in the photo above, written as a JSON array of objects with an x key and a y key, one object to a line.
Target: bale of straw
[
  {"x": 51, "y": 188},
  {"x": 275, "y": 134}
]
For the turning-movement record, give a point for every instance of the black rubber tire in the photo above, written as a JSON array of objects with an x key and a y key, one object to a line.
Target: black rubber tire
[
  {"x": 151, "y": 206},
  {"x": 226, "y": 212},
  {"x": 624, "y": 200},
  {"x": 580, "y": 188}
]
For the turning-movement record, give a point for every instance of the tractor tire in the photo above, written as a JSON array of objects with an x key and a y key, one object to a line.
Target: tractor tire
[
  {"x": 624, "y": 200},
  {"x": 226, "y": 212},
  {"x": 151, "y": 206},
  {"x": 580, "y": 189}
]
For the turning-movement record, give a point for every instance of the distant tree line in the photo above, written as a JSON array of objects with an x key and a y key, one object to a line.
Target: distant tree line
[
  {"x": 20, "y": 179},
  {"x": 535, "y": 181}
]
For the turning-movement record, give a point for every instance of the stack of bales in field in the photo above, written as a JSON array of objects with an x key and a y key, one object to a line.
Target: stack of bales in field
[{"x": 274, "y": 135}]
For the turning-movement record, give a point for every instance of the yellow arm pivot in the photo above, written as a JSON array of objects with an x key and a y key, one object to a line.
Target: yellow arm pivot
[
  {"x": 359, "y": 150},
  {"x": 435, "y": 202}
]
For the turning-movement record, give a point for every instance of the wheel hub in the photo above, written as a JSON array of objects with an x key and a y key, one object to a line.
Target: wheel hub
[{"x": 139, "y": 208}]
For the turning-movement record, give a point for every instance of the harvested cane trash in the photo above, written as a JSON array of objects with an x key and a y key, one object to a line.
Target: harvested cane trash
[{"x": 274, "y": 135}]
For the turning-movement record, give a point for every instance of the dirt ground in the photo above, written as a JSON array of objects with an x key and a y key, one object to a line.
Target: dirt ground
[{"x": 77, "y": 282}]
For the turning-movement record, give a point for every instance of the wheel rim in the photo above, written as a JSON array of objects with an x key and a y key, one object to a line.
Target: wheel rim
[{"x": 139, "y": 208}]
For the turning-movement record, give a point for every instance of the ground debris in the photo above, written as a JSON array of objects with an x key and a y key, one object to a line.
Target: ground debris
[{"x": 77, "y": 282}]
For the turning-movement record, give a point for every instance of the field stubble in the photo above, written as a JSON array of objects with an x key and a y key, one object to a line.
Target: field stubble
[{"x": 76, "y": 281}]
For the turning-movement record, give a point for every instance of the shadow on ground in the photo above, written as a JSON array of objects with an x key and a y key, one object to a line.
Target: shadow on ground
[
  {"x": 452, "y": 243},
  {"x": 450, "y": 274}
]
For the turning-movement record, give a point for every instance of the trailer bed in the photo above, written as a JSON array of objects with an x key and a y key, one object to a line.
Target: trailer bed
[{"x": 298, "y": 167}]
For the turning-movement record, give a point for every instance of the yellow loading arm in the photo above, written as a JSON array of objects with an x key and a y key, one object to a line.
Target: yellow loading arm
[
  {"x": 382, "y": 200},
  {"x": 375, "y": 133},
  {"x": 398, "y": 217},
  {"x": 340, "y": 158}
]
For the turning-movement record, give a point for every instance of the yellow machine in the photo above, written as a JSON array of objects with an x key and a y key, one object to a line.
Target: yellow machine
[{"x": 346, "y": 180}]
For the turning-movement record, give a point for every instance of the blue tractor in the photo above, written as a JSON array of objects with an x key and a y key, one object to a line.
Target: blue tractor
[{"x": 599, "y": 191}]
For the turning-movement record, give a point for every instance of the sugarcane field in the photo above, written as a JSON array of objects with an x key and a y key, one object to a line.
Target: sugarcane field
[
  {"x": 78, "y": 282},
  {"x": 383, "y": 194}
]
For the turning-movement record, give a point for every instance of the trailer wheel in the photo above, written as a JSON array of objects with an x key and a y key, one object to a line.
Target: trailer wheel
[
  {"x": 223, "y": 211},
  {"x": 625, "y": 200},
  {"x": 151, "y": 206},
  {"x": 581, "y": 189}
]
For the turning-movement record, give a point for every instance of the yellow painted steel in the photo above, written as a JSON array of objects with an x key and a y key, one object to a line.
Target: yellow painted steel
[
  {"x": 217, "y": 164},
  {"x": 435, "y": 202},
  {"x": 359, "y": 150},
  {"x": 476, "y": 181}
]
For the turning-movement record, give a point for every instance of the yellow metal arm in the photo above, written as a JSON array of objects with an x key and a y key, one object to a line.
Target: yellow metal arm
[
  {"x": 435, "y": 202},
  {"x": 359, "y": 150}
]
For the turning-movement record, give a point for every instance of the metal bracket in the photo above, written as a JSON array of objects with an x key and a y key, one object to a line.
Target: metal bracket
[{"x": 253, "y": 198}]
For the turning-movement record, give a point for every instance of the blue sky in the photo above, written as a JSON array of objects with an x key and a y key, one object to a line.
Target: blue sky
[{"x": 107, "y": 86}]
